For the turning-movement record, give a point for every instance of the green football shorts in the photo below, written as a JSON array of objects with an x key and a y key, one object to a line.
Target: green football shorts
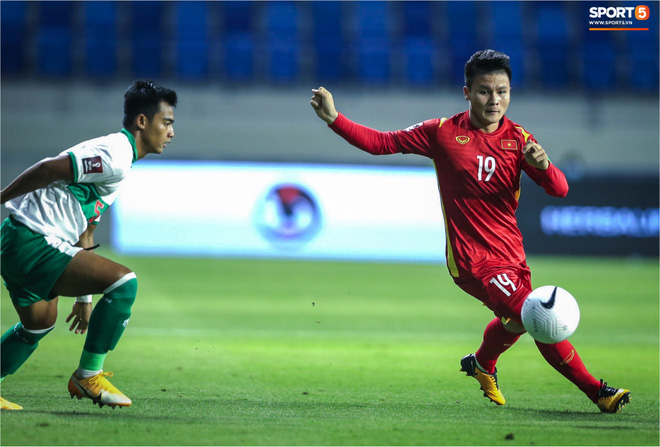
[{"x": 31, "y": 263}]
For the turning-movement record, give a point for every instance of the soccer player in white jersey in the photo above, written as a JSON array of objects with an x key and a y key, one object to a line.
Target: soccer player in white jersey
[{"x": 48, "y": 242}]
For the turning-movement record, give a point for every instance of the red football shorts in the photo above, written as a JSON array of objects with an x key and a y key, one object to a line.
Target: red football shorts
[{"x": 503, "y": 291}]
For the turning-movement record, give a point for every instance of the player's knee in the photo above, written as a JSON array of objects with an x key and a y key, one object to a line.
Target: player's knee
[
  {"x": 31, "y": 336},
  {"x": 513, "y": 326},
  {"x": 124, "y": 289}
]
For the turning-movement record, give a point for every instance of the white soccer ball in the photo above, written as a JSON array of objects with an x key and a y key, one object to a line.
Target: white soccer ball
[{"x": 550, "y": 314}]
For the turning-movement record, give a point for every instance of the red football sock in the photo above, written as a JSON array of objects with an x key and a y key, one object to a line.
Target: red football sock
[
  {"x": 496, "y": 340},
  {"x": 563, "y": 357}
]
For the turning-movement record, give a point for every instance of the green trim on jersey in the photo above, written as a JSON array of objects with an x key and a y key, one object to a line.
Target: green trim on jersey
[
  {"x": 74, "y": 165},
  {"x": 131, "y": 139},
  {"x": 90, "y": 200}
]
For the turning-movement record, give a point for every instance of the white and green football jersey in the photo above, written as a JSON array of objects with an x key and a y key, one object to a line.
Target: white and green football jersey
[{"x": 64, "y": 210}]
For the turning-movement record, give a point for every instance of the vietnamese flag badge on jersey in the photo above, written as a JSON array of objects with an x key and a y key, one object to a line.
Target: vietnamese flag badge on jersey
[{"x": 509, "y": 144}]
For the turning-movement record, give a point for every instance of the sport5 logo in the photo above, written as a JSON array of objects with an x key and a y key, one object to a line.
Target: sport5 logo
[{"x": 640, "y": 12}]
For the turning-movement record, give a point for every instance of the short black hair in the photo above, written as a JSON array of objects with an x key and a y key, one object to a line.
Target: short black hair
[
  {"x": 485, "y": 62},
  {"x": 144, "y": 97}
]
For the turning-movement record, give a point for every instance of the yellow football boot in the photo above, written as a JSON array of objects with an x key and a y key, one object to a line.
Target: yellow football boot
[
  {"x": 99, "y": 389},
  {"x": 6, "y": 405},
  {"x": 612, "y": 400},
  {"x": 488, "y": 382}
]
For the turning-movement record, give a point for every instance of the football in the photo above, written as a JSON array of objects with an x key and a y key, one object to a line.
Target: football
[{"x": 550, "y": 314}]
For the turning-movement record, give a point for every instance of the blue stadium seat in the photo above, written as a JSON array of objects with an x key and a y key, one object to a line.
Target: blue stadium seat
[
  {"x": 328, "y": 40},
  {"x": 552, "y": 43},
  {"x": 55, "y": 14},
  {"x": 505, "y": 22},
  {"x": 237, "y": 16},
  {"x": 419, "y": 55},
  {"x": 373, "y": 42},
  {"x": 418, "y": 43},
  {"x": 374, "y": 60},
  {"x": 100, "y": 30},
  {"x": 417, "y": 18},
  {"x": 239, "y": 57},
  {"x": 55, "y": 38},
  {"x": 13, "y": 36},
  {"x": 599, "y": 63},
  {"x": 192, "y": 43},
  {"x": 641, "y": 48},
  {"x": 462, "y": 39},
  {"x": 238, "y": 40},
  {"x": 283, "y": 40},
  {"x": 643, "y": 68},
  {"x": 147, "y": 38}
]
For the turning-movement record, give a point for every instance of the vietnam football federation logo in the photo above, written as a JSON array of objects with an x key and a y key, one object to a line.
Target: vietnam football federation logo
[{"x": 288, "y": 216}]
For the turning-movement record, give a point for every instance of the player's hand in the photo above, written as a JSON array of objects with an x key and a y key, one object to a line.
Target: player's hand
[
  {"x": 535, "y": 156},
  {"x": 80, "y": 315},
  {"x": 324, "y": 105}
]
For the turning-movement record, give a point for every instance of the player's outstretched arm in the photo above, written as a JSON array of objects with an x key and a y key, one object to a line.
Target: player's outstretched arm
[
  {"x": 38, "y": 176},
  {"x": 535, "y": 156},
  {"x": 324, "y": 105}
]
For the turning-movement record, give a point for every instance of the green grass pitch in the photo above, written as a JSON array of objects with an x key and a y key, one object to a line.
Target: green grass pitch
[{"x": 261, "y": 352}]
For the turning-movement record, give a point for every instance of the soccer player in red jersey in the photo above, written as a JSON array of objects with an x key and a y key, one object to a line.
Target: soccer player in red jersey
[{"x": 479, "y": 157}]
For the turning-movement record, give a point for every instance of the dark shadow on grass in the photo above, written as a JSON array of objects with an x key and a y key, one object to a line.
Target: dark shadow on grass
[
  {"x": 560, "y": 414},
  {"x": 103, "y": 414},
  {"x": 577, "y": 417}
]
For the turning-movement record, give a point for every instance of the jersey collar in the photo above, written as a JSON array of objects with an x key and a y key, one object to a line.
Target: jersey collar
[{"x": 131, "y": 139}]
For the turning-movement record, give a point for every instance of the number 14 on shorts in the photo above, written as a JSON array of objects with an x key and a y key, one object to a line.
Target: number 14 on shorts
[{"x": 504, "y": 284}]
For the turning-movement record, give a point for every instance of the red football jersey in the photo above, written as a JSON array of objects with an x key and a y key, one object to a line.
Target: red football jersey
[{"x": 479, "y": 181}]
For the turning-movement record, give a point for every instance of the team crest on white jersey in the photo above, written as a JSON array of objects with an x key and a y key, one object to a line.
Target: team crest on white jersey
[{"x": 92, "y": 165}]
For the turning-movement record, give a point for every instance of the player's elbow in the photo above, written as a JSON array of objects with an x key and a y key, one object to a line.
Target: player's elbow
[{"x": 561, "y": 192}]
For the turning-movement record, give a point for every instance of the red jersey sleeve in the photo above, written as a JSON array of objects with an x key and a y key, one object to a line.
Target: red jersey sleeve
[
  {"x": 413, "y": 140},
  {"x": 552, "y": 179}
]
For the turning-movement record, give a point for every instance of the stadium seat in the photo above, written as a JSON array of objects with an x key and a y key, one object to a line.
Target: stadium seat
[
  {"x": 192, "y": 43},
  {"x": 283, "y": 40},
  {"x": 238, "y": 41},
  {"x": 552, "y": 43},
  {"x": 462, "y": 38},
  {"x": 418, "y": 44},
  {"x": 100, "y": 30},
  {"x": 505, "y": 25},
  {"x": 643, "y": 66},
  {"x": 373, "y": 42},
  {"x": 147, "y": 38},
  {"x": 417, "y": 18},
  {"x": 328, "y": 40},
  {"x": 12, "y": 37},
  {"x": 55, "y": 38},
  {"x": 598, "y": 63},
  {"x": 641, "y": 48},
  {"x": 419, "y": 56}
]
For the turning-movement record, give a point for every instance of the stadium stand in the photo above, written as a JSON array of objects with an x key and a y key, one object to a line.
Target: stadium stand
[
  {"x": 13, "y": 37},
  {"x": 55, "y": 39},
  {"x": 100, "y": 30},
  {"x": 379, "y": 43},
  {"x": 147, "y": 38},
  {"x": 238, "y": 41},
  {"x": 192, "y": 40}
]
